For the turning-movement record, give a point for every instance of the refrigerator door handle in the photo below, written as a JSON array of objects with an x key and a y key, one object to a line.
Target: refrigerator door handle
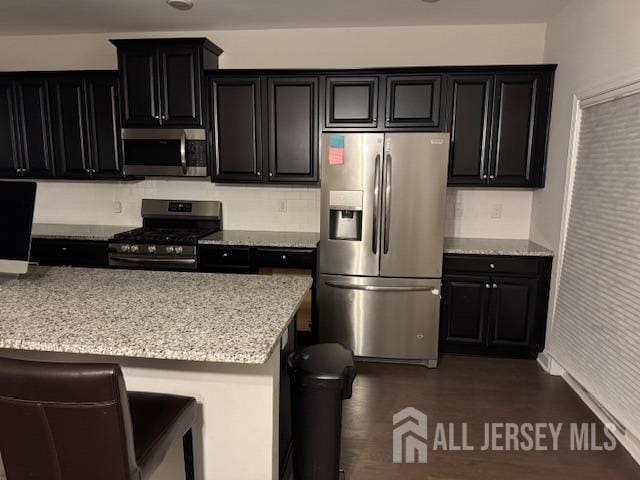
[
  {"x": 387, "y": 202},
  {"x": 375, "y": 288},
  {"x": 376, "y": 204}
]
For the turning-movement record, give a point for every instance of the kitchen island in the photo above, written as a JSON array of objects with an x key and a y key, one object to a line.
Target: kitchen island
[{"x": 212, "y": 336}]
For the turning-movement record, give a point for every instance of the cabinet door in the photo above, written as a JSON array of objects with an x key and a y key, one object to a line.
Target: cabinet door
[
  {"x": 139, "y": 72},
  {"x": 465, "y": 302},
  {"x": 413, "y": 101},
  {"x": 9, "y": 154},
  {"x": 237, "y": 129},
  {"x": 512, "y": 311},
  {"x": 180, "y": 86},
  {"x": 35, "y": 127},
  {"x": 514, "y": 117},
  {"x": 70, "y": 127},
  {"x": 469, "y": 105},
  {"x": 351, "y": 102},
  {"x": 292, "y": 105},
  {"x": 104, "y": 125}
]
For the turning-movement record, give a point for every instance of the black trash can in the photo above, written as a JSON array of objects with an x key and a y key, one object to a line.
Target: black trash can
[{"x": 321, "y": 377}]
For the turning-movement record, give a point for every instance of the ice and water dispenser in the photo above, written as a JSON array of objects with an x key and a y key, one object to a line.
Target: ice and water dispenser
[{"x": 345, "y": 215}]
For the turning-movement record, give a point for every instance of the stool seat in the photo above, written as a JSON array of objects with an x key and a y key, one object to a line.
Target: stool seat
[
  {"x": 76, "y": 421},
  {"x": 158, "y": 419}
]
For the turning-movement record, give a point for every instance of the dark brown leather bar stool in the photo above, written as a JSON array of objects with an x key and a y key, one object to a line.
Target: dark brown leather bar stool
[{"x": 76, "y": 421}]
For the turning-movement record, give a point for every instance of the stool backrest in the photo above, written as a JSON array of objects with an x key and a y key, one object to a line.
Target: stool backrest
[{"x": 65, "y": 421}]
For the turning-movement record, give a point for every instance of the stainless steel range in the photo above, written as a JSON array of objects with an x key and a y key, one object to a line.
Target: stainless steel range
[{"x": 168, "y": 237}]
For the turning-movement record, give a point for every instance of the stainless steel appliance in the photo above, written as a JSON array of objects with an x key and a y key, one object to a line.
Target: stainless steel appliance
[
  {"x": 381, "y": 243},
  {"x": 168, "y": 237},
  {"x": 165, "y": 152}
]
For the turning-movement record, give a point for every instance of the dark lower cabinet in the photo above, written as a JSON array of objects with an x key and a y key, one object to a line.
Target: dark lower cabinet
[
  {"x": 75, "y": 253},
  {"x": 292, "y": 109},
  {"x": 34, "y": 126},
  {"x": 489, "y": 313}
]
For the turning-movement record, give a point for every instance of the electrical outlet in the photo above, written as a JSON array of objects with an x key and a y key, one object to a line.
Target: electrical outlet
[
  {"x": 117, "y": 207},
  {"x": 282, "y": 206},
  {"x": 459, "y": 210},
  {"x": 496, "y": 210}
]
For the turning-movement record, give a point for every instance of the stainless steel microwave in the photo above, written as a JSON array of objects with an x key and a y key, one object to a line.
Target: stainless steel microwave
[{"x": 167, "y": 152}]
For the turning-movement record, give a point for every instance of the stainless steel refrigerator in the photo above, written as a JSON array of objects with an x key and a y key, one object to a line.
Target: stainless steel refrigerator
[{"x": 381, "y": 243}]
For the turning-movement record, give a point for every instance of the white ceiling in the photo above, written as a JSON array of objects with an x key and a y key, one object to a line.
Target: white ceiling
[{"x": 21, "y": 17}]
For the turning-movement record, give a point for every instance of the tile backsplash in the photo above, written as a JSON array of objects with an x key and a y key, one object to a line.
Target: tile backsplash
[{"x": 469, "y": 212}]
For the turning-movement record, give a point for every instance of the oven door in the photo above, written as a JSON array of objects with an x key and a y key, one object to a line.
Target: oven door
[{"x": 165, "y": 152}]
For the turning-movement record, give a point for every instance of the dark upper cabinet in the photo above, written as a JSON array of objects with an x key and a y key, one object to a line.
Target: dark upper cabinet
[
  {"x": 292, "y": 144},
  {"x": 138, "y": 66},
  {"x": 513, "y": 310},
  {"x": 351, "y": 102},
  {"x": 265, "y": 129},
  {"x": 181, "y": 85},
  {"x": 10, "y": 164},
  {"x": 464, "y": 310},
  {"x": 470, "y": 103},
  {"x": 499, "y": 128},
  {"x": 413, "y": 101},
  {"x": 86, "y": 125},
  {"x": 519, "y": 132},
  {"x": 71, "y": 129},
  {"x": 34, "y": 125},
  {"x": 103, "y": 113},
  {"x": 237, "y": 128},
  {"x": 162, "y": 80}
]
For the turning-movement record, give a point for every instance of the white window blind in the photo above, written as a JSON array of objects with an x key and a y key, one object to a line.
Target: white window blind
[{"x": 596, "y": 330}]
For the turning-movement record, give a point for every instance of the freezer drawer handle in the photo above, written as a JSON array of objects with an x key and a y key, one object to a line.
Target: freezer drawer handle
[
  {"x": 376, "y": 207},
  {"x": 375, "y": 288}
]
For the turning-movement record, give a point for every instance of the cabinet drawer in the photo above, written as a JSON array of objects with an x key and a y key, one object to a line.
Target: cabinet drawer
[
  {"x": 69, "y": 252},
  {"x": 490, "y": 264},
  {"x": 224, "y": 257},
  {"x": 285, "y": 258}
]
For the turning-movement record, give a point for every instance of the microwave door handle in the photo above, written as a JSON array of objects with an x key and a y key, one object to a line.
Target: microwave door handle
[
  {"x": 376, "y": 204},
  {"x": 183, "y": 151},
  {"x": 387, "y": 202}
]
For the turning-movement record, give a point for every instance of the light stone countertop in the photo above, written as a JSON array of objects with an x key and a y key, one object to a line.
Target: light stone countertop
[
  {"x": 55, "y": 231},
  {"x": 149, "y": 314},
  {"x": 494, "y": 246},
  {"x": 252, "y": 238}
]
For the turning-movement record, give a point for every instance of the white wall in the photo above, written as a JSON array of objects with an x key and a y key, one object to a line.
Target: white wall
[
  {"x": 260, "y": 208},
  {"x": 593, "y": 42}
]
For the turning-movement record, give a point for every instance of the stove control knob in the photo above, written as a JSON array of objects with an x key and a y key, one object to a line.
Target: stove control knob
[
  {"x": 151, "y": 249},
  {"x": 125, "y": 248},
  {"x": 169, "y": 249},
  {"x": 134, "y": 248},
  {"x": 178, "y": 250}
]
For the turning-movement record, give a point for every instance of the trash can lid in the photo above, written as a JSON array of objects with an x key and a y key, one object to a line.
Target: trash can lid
[{"x": 324, "y": 361}]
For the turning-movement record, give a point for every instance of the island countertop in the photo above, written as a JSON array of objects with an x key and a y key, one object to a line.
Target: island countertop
[{"x": 149, "y": 314}]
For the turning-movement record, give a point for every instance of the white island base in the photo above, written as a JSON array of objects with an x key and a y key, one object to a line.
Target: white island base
[{"x": 236, "y": 436}]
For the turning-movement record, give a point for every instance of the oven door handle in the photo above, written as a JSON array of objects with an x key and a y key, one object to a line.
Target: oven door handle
[
  {"x": 183, "y": 151},
  {"x": 181, "y": 261}
]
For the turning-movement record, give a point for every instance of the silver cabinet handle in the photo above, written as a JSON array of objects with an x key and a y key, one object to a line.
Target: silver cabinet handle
[
  {"x": 183, "y": 151},
  {"x": 156, "y": 116},
  {"x": 484, "y": 177},
  {"x": 284, "y": 257},
  {"x": 375, "y": 288},
  {"x": 492, "y": 265},
  {"x": 387, "y": 202},
  {"x": 491, "y": 177},
  {"x": 495, "y": 285},
  {"x": 376, "y": 204},
  {"x": 225, "y": 254},
  {"x": 486, "y": 285},
  {"x": 258, "y": 173}
]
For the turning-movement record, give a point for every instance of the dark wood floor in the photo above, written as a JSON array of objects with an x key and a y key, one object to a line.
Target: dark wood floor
[{"x": 474, "y": 390}]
